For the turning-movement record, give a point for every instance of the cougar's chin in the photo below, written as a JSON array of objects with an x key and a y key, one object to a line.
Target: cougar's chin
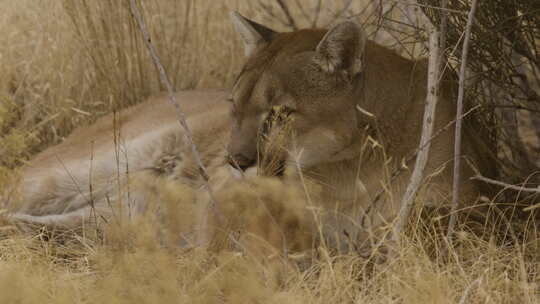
[{"x": 239, "y": 174}]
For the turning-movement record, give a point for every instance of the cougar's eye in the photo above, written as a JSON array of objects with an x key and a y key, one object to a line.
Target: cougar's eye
[
  {"x": 230, "y": 99},
  {"x": 278, "y": 115},
  {"x": 282, "y": 111},
  {"x": 287, "y": 111}
]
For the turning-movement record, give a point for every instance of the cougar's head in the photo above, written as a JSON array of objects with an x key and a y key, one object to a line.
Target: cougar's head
[{"x": 294, "y": 100}]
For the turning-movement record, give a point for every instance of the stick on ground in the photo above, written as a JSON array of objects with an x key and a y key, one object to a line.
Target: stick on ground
[{"x": 188, "y": 135}]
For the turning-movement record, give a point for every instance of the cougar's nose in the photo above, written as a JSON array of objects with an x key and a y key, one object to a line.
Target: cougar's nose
[{"x": 241, "y": 161}]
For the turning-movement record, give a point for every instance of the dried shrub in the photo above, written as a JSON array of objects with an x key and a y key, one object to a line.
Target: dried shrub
[{"x": 505, "y": 76}]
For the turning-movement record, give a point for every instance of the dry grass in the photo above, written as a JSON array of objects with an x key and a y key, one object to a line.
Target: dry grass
[
  {"x": 80, "y": 271},
  {"x": 65, "y": 63}
]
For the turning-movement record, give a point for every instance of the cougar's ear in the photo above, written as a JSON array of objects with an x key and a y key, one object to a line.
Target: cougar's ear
[
  {"x": 342, "y": 49},
  {"x": 252, "y": 33}
]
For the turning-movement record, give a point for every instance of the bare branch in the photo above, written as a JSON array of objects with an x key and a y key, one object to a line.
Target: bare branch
[
  {"x": 317, "y": 14},
  {"x": 505, "y": 185},
  {"x": 343, "y": 11},
  {"x": 407, "y": 201},
  {"x": 270, "y": 12},
  {"x": 287, "y": 13},
  {"x": 302, "y": 10},
  {"x": 467, "y": 292},
  {"x": 443, "y": 29},
  {"x": 459, "y": 120},
  {"x": 136, "y": 14},
  {"x": 429, "y": 6}
]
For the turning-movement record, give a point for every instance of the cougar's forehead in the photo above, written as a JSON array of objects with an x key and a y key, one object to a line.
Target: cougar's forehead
[
  {"x": 277, "y": 66},
  {"x": 301, "y": 77}
]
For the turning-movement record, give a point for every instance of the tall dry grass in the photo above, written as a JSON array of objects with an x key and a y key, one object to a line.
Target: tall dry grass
[
  {"x": 79, "y": 271},
  {"x": 65, "y": 63}
]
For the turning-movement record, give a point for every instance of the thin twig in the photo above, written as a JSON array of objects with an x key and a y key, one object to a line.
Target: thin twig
[
  {"x": 91, "y": 186},
  {"x": 459, "y": 121},
  {"x": 342, "y": 12},
  {"x": 467, "y": 292},
  {"x": 412, "y": 156},
  {"x": 181, "y": 118},
  {"x": 427, "y": 129},
  {"x": 506, "y": 185},
  {"x": 288, "y": 15},
  {"x": 317, "y": 14},
  {"x": 443, "y": 29},
  {"x": 302, "y": 10},
  {"x": 75, "y": 182},
  {"x": 270, "y": 12},
  {"x": 311, "y": 206},
  {"x": 429, "y": 6}
]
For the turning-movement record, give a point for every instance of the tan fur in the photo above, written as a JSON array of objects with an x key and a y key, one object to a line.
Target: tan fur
[
  {"x": 136, "y": 166},
  {"x": 321, "y": 78},
  {"x": 65, "y": 184}
]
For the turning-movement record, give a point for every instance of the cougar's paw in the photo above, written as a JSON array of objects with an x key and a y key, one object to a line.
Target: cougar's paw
[{"x": 263, "y": 216}]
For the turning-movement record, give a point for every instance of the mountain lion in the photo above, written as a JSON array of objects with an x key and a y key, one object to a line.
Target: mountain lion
[
  {"x": 344, "y": 113},
  {"x": 330, "y": 113}
]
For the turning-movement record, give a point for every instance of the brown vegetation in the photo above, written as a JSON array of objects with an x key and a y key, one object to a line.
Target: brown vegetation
[{"x": 65, "y": 63}]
